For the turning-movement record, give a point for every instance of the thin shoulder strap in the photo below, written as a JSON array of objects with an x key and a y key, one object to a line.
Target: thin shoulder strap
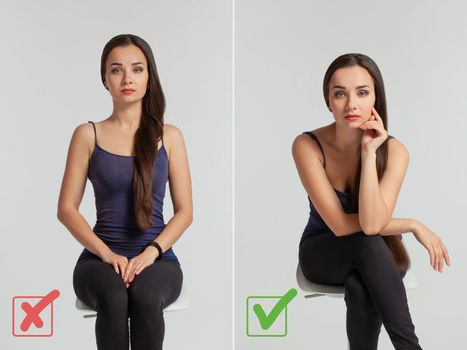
[
  {"x": 95, "y": 133},
  {"x": 314, "y": 137}
]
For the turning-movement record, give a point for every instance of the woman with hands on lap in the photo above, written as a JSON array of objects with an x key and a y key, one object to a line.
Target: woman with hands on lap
[
  {"x": 352, "y": 171},
  {"x": 128, "y": 268}
]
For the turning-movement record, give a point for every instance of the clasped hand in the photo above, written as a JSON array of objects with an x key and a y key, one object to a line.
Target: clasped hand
[{"x": 129, "y": 269}]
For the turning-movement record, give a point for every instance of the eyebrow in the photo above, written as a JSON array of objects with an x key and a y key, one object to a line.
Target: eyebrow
[
  {"x": 358, "y": 87},
  {"x": 119, "y": 64}
]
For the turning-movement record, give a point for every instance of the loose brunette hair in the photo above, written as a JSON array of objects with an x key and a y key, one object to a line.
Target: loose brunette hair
[
  {"x": 394, "y": 243},
  {"x": 149, "y": 132}
]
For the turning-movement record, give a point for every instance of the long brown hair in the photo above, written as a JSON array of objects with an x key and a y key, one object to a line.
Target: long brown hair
[
  {"x": 149, "y": 132},
  {"x": 394, "y": 243}
]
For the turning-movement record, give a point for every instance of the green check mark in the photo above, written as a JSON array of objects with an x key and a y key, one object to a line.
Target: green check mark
[{"x": 266, "y": 321}]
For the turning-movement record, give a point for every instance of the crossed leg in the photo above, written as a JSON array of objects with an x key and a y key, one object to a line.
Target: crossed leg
[{"x": 328, "y": 259}]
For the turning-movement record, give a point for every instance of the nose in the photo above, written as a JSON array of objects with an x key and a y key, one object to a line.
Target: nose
[
  {"x": 350, "y": 103},
  {"x": 127, "y": 79}
]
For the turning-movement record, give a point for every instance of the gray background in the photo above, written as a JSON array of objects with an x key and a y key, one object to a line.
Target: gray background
[
  {"x": 282, "y": 50},
  {"x": 50, "y": 60}
]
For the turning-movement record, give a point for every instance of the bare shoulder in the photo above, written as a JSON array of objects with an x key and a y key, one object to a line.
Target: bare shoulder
[
  {"x": 83, "y": 137},
  {"x": 303, "y": 143},
  {"x": 397, "y": 150},
  {"x": 305, "y": 146},
  {"x": 171, "y": 131},
  {"x": 320, "y": 133},
  {"x": 172, "y": 134},
  {"x": 173, "y": 139}
]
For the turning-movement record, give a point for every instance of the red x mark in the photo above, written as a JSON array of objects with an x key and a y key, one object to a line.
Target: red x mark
[{"x": 32, "y": 313}]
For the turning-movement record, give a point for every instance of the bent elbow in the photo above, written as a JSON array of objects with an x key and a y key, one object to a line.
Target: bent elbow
[
  {"x": 190, "y": 219},
  {"x": 338, "y": 231},
  {"x": 60, "y": 215},
  {"x": 188, "y": 214},
  {"x": 63, "y": 213},
  {"x": 370, "y": 231}
]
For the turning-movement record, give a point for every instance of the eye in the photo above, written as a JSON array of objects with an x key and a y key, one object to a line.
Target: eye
[
  {"x": 363, "y": 93},
  {"x": 339, "y": 93},
  {"x": 138, "y": 69},
  {"x": 114, "y": 70}
]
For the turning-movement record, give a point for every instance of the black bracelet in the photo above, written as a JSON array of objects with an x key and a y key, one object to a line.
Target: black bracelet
[{"x": 158, "y": 247}]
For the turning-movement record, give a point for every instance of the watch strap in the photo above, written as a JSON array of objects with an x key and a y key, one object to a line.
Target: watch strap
[{"x": 158, "y": 247}]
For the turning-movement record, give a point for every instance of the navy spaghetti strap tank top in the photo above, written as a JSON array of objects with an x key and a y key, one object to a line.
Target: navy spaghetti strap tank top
[
  {"x": 111, "y": 176},
  {"x": 316, "y": 224}
]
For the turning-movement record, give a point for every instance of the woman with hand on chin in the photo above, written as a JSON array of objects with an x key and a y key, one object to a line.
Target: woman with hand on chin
[
  {"x": 352, "y": 172},
  {"x": 128, "y": 268}
]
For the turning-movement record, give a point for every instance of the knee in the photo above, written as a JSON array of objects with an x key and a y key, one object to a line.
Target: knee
[
  {"x": 112, "y": 300},
  {"x": 371, "y": 247},
  {"x": 143, "y": 299}
]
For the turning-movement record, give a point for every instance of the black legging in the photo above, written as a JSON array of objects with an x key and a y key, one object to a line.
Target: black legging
[
  {"x": 98, "y": 285},
  {"x": 374, "y": 291}
]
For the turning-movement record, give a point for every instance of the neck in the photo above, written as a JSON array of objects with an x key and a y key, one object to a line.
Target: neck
[
  {"x": 127, "y": 115},
  {"x": 347, "y": 140}
]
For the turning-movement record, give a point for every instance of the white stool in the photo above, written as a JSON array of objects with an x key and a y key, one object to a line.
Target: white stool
[
  {"x": 312, "y": 290},
  {"x": 182, "y": 302}
]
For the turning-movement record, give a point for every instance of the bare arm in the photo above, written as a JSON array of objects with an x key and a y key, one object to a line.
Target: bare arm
[
  {"x": 377, "y": 199},
  {"x": 372, "y": 209},
  {"x": 72, "y": 190},
  {"x": 307, "y": 157},
  {"x": 180, "y": 189},
  {"x": 396, "y": 226},
  {"x": 433, "y": 244}
]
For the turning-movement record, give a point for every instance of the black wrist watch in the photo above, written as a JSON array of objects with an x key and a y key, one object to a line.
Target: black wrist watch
[{"x": 158, "y": 247}]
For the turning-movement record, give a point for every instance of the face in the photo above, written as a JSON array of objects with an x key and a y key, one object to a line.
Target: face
[
  {"x": 126, "y": 70},
  {"x": 351, "y": 93}
]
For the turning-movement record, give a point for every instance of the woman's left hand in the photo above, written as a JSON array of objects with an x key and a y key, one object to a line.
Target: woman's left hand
[
  {"x": 433, "y": 244},
  {"x": 374, "y": 133},
  {"x": 139, "y": 263}
]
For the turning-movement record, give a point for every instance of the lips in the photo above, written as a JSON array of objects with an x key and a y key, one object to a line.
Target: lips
[
  {"x": 127, "y": 91},
  {"x": 351, "y": 117}
]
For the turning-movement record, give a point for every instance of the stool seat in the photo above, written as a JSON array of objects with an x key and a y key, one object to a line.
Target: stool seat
[{"x": 182, "y": 302}]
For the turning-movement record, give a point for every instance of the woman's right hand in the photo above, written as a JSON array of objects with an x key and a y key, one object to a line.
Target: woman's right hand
[
  {"x": 119, "y": 262},
  {"x": 433, "y": 244}
]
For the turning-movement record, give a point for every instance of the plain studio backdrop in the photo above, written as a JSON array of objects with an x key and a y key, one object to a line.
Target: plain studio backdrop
[
  {"x": 50, "y": 84},
  {"x": 282, "y": 50}
]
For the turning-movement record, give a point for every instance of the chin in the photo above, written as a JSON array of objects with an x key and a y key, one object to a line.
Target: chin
[{"x": 354, "y": 126}]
